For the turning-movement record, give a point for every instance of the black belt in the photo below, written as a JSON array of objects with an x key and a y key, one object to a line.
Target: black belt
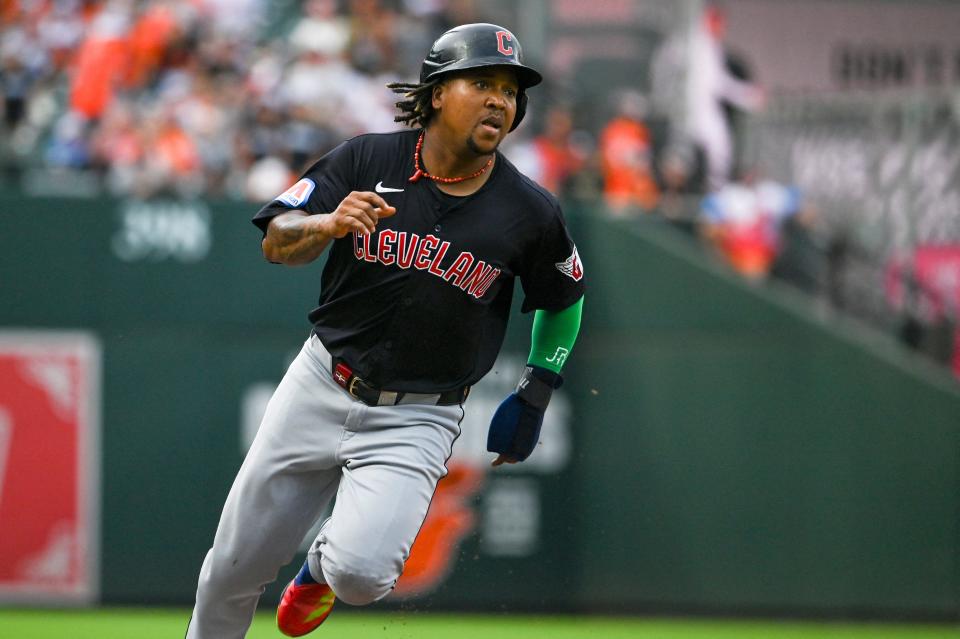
[{"x": 371, "y": 396}]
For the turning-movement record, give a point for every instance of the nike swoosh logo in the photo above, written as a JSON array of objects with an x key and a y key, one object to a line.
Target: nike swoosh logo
[{"x": 380, "y": 188}]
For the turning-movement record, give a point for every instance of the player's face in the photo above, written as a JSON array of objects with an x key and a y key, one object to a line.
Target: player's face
[{"x": 478, "y": 107}]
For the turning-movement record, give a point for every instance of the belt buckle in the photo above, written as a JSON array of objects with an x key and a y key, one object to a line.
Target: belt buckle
[{"x": 351, "y": 385}]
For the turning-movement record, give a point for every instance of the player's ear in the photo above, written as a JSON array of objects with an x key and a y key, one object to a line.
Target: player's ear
[{"x": 436, "y": 97}]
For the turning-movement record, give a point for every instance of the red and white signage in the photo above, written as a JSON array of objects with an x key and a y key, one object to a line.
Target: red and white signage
[{"x": 49, "y": 467}]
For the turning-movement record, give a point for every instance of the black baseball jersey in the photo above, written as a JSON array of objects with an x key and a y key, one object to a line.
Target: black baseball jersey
[{"x": 421, "y": 305}]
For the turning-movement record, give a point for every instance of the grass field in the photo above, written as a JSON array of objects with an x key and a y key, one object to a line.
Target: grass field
[{"x": 166, "y": 624}]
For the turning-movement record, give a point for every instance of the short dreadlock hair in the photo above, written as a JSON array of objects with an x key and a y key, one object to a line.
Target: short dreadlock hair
[{"x": 416, "y": 109}]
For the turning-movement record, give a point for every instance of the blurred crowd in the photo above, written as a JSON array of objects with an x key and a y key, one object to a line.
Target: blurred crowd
[
  {"x": 210, "y": 97},
  {"x": 233, "y": 98}
]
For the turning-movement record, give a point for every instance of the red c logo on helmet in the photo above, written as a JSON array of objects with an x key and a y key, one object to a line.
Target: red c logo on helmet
[{"x": 502, "y": 38}]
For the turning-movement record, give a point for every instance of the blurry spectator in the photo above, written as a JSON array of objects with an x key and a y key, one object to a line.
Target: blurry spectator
[
  {"x": 23, "y": 146},
  {"x": 23, "y": 42},
  {"x": 266, "y": 133},
  {"x": 521, "y": 152},
  {"x": 149, "y": 39},
  {"x": 625, "y": 153},
  {"x": 321, "y": 29},
  {"x": 61, "y": 30},
  {"x": 102, "y": 61},
  {"x": 171, "y": 164},
  {"x": 315, "y": 91},
  {"x": 204, "y": 114},
  {"x": 369, "y": 109},
  {"x": 680, "y": 174},
  {"x": 68, "y": 146},
  {"x": 117, "y": 148},
  {"x": 218, "y": 56},
  {"x": 691, "y": 74},
  {"x": 173, "y": 149},
  {"x": 15, "y": 83},
  {"x": 237, "y": 20},
  {"x": 423, "y": 21},
  {"x": 712, "y": 87},
  {"x": 560, "y": 157},
  {"x": 22, "y": 63},
  {"x": 267, "y": 176},
  {"x": 374, "y": 35},
  {"x": 923, "y": 285},
  {"x": 263, "y": 77},
  {"x": 743, "y": 220}
]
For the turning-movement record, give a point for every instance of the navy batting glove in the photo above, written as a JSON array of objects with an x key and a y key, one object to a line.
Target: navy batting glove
[{"x": 515, "y": 427}]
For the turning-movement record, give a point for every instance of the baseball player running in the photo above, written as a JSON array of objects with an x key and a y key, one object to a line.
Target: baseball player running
[{"x": 426, "y": 230}]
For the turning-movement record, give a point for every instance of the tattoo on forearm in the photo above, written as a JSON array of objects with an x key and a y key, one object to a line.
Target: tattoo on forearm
[
  {"x": 291, "y": 238},
  {"x": 295, "y": 240}
]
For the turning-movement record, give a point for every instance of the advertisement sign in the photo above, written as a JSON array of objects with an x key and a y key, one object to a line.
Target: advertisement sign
[
  {"x": 846, "y": 45},
  {"x": 49, "y": 467}
]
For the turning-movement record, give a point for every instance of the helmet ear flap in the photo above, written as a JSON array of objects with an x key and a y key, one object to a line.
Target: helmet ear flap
[{"x": 521, "y": 108}]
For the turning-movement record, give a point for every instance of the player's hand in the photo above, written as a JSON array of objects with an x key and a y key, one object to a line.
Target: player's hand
[
  {"x": 359, "y": 212},
  {"x": 515, "y": 428}
]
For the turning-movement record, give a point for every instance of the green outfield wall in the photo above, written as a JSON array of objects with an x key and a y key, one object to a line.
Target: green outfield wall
[{"x": 717, "y": 447}]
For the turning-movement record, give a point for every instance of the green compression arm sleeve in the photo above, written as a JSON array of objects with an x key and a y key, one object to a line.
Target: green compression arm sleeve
[{"x": 553, "y": 336}]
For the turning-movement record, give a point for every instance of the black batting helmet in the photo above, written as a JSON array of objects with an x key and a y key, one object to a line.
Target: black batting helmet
[{"x": 470, "y": 46}]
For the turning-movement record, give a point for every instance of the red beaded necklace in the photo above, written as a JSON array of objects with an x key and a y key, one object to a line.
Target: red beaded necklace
[{"x": 419, "y": 173}]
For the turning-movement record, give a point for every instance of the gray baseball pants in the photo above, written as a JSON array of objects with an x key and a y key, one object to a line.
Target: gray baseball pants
[{"x": 383, "y": 463}]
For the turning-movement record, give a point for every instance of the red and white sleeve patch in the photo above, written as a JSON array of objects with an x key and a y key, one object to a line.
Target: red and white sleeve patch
[
  {"x": 571, "y": 266},
  {"x": 298, "y": 193}
]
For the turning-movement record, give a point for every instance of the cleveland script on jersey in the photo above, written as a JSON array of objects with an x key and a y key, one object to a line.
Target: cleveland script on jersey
[{"x": 379, "y": 292}]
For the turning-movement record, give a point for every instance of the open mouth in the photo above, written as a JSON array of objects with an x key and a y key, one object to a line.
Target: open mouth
[{"x": 494, "y": 123}]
